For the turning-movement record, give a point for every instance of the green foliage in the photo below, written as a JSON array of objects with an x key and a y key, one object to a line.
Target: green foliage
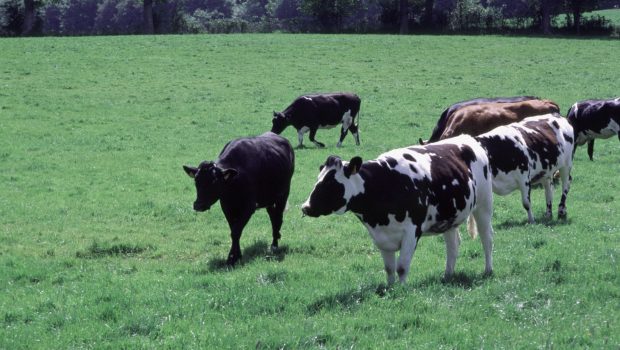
[
  {"x": 330, "y": 13},
  {"x": 470, "y": 15},
  {"x": 100, "y": 247}
]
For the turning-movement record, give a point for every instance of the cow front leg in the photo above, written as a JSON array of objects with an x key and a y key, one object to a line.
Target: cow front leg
[
  {"x": 389, "y": 263},
  {"x": 407, "y": 248},
  {"x": 591, "y": 148},
  {"x": 566, "y": 181},
  {"x": 276, "y": 212},
  {"x": 343, "y": 133},
  {"x": 236, "y": 223},
  {"x": 548, "y": 185},
  {"x": 453, "y": 241},
  {"x": 317, "y": 143},
  {"x": 300, "y": 138}
]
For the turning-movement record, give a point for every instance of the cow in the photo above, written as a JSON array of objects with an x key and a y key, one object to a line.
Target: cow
[
  {"x": 477, "y": 119},
  {"x": 530, "y": 152},
  {"x": 445, "y": 116},
  {"x": 249, "y": 173},
  {"x": 320, "y": 111},
  {"x": 593, "y": 119},
  {"x": 408, "y": 193}
]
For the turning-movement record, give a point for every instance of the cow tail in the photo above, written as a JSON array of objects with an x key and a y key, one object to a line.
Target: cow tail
[{"x": 472, "y": 227}]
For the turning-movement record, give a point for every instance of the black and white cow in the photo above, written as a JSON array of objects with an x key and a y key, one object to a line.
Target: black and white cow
[
  {"x": 447, "y": 113},
  {"x": 529, "y": 152},
  {"x": 250, "y": 173},
  {"x": 594, "y": 119},
  {"x": 410, "y": 192},
  {"x": 320, "y": 111}
]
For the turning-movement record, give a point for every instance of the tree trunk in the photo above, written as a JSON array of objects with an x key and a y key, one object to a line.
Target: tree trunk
[
  {"x": 30, "y": 17},
  {"x": 428, "y": 13},
  {"x": 404, "y": 16},
  {"x": 576, "y": 19},
  {"x": 545, "y": 10},
  {"x": 148, "y": 17}
]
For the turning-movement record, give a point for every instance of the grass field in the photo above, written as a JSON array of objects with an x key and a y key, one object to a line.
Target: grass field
[{"x": 100, "y": 248}]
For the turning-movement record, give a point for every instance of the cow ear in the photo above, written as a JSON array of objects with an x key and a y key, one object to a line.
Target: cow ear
[
  {"x": 354, "y": 166},
  {"x": 191, "y": 171},
  {"x": 275, "y": 114},
  {"x": 228, "y": 174}
]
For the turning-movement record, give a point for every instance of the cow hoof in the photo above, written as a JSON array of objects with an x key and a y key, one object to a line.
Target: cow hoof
[
  {"x": 232, "y": 260},
  {"x": 562, "y": 215},
  {"x": 274, "y": 249},
  {"x": 339, "y": 145},
  {"x": 320, "y": 145}
]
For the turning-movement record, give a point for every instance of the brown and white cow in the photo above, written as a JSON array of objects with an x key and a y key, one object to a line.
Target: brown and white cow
[
  {"x": 530, "y": 152},
  {"x": 411, "y": 192},
  {"x": 477, "y": 119},
  {"x": 595, "y": 119}
]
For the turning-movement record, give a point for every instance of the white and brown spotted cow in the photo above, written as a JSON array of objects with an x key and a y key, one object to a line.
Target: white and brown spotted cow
[
  {"x": 595, "y": 119},
  {"x": 530, "y": 152},
  {"x": 410, "y": 192}
]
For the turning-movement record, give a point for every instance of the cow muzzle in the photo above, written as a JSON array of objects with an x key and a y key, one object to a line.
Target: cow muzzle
[{"x": 307, "y": 210}]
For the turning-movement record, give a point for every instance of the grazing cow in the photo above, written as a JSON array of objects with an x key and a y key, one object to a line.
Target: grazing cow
[
  {"x": 530, "y": 152},
  {"x": 477, "y": 119},
  {"x": 445, "y": 116},
  {"x": 410, "y": 192},
  {"x": 250, "y": 173},
  {"x": 321, "y": 111},
  {"x": 593, "y": 119}
]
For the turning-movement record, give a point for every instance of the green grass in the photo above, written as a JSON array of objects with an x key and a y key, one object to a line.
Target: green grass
[{"x": 99, "y": 246}]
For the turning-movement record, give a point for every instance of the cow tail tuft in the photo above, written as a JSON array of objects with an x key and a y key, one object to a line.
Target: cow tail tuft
[{"x": 472, "y": 226}]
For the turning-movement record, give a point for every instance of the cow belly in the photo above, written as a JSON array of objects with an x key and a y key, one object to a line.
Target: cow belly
[
  {"x": 389, "y": 237},
  {"x": 506, "y": 183}
]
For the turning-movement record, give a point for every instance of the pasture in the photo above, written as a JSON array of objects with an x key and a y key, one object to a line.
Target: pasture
[{"x": 100, "y": 247}]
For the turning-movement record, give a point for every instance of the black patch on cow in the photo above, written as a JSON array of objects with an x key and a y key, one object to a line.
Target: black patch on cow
[
  {"x": 504, "y": 155},
  {"x": 555, "y": 124},
  {"x": 408, "y": 157},
  {"x": 569, "y": 138},
  {"x": 485, "y": 169},
  {"x": 542, "y": 145},
  {"x": 392, "y": 162},
  {"x": 413, "y": 168}
]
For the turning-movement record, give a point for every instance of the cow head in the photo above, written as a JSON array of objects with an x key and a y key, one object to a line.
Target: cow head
[
  {"x": 337, "y": 183},
  {"x": 279, "y": 122},
  {"x": 210, "y": 180}
]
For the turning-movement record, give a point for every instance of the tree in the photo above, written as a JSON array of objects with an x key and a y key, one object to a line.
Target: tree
[
  {"x": 428, "y": 13},
  {"x": 148, "y": 17},
  {"x": 545, "y": 13},
  {"x": 329, "y": 13},
  {"x": 577, "y": 7},
  {"x": 30, "y": 17},
  {"x": 404, "y": 16}
]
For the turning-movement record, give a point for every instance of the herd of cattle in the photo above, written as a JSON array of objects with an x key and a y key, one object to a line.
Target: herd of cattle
[{"x": 479, "y": 147}]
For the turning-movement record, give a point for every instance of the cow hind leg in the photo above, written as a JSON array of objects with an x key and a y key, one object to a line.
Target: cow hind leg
[
  {"x": 483, "y": 214},
  {"x": 547, "y": 183},
  {"x": 389, "y": 263},
  {"x": 300, "y": 138},
  {"x": 526, "y": 190},
  {"x": 276, "y": 212},
  {"x": 355, "y": 131},
  {"x": 566, "y": 181},
  {"x": 317, "y": 143},
  {"x": 453, "y": 240},
  {"x": 346, "y": 123}
]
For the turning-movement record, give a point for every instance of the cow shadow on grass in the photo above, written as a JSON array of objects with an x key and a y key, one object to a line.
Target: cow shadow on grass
[
  {"x": 258, "y": 250},
  {"x": 549, "y": 222}
]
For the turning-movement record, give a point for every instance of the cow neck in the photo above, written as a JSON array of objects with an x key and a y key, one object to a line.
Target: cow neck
[{"x": 357, "y": 183}]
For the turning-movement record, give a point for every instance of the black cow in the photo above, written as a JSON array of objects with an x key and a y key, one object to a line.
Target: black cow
[
  {"x": 594, "y": 119},
  {"x": 250, "y": 173},
  {"x": 445, "y": 116},
  {"x": 320, "y": 111},
  {"x": 410, "y": 192}
]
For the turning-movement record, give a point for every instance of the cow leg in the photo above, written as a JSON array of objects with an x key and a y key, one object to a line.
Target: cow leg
[
  {"x": 389, "y": 263},
  {"x": 483, "y": 214},
  {"x": 347, "y": 120},
  {"x": 547, "y": 183},
  {"x": 566, "y": 181},
  {"x": 355, "y": 131},
  {"x": 300, "y": 138},
  {"x": 407, "y": 248},
  {"x": 343, "y": 133},
  {"x": 453, "y": 240},
  {"x": 236, "y": 222},
  {"x": 591, "y": 148},
  {"x": 317, "y": 143},
  {"x": 526, "y": 190},
  {"x": 276, "y": 213}
]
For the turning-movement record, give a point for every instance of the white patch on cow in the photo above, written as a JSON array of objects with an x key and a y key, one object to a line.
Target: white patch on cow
[
  {"x": 304, "y": 129},
  {"x": 454, "y": 182},
  {"x": 306, "y": 98},
  {"x": 612, "y": 129},
  {"x": 347, "y": 120}
]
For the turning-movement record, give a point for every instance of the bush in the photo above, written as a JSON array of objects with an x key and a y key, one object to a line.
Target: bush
[
  {"x": 11, "y": 17},
  {"x": 470, "y": 15}
]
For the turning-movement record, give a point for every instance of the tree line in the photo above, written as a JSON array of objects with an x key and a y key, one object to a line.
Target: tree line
[{"x": 107, "y": 17}]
